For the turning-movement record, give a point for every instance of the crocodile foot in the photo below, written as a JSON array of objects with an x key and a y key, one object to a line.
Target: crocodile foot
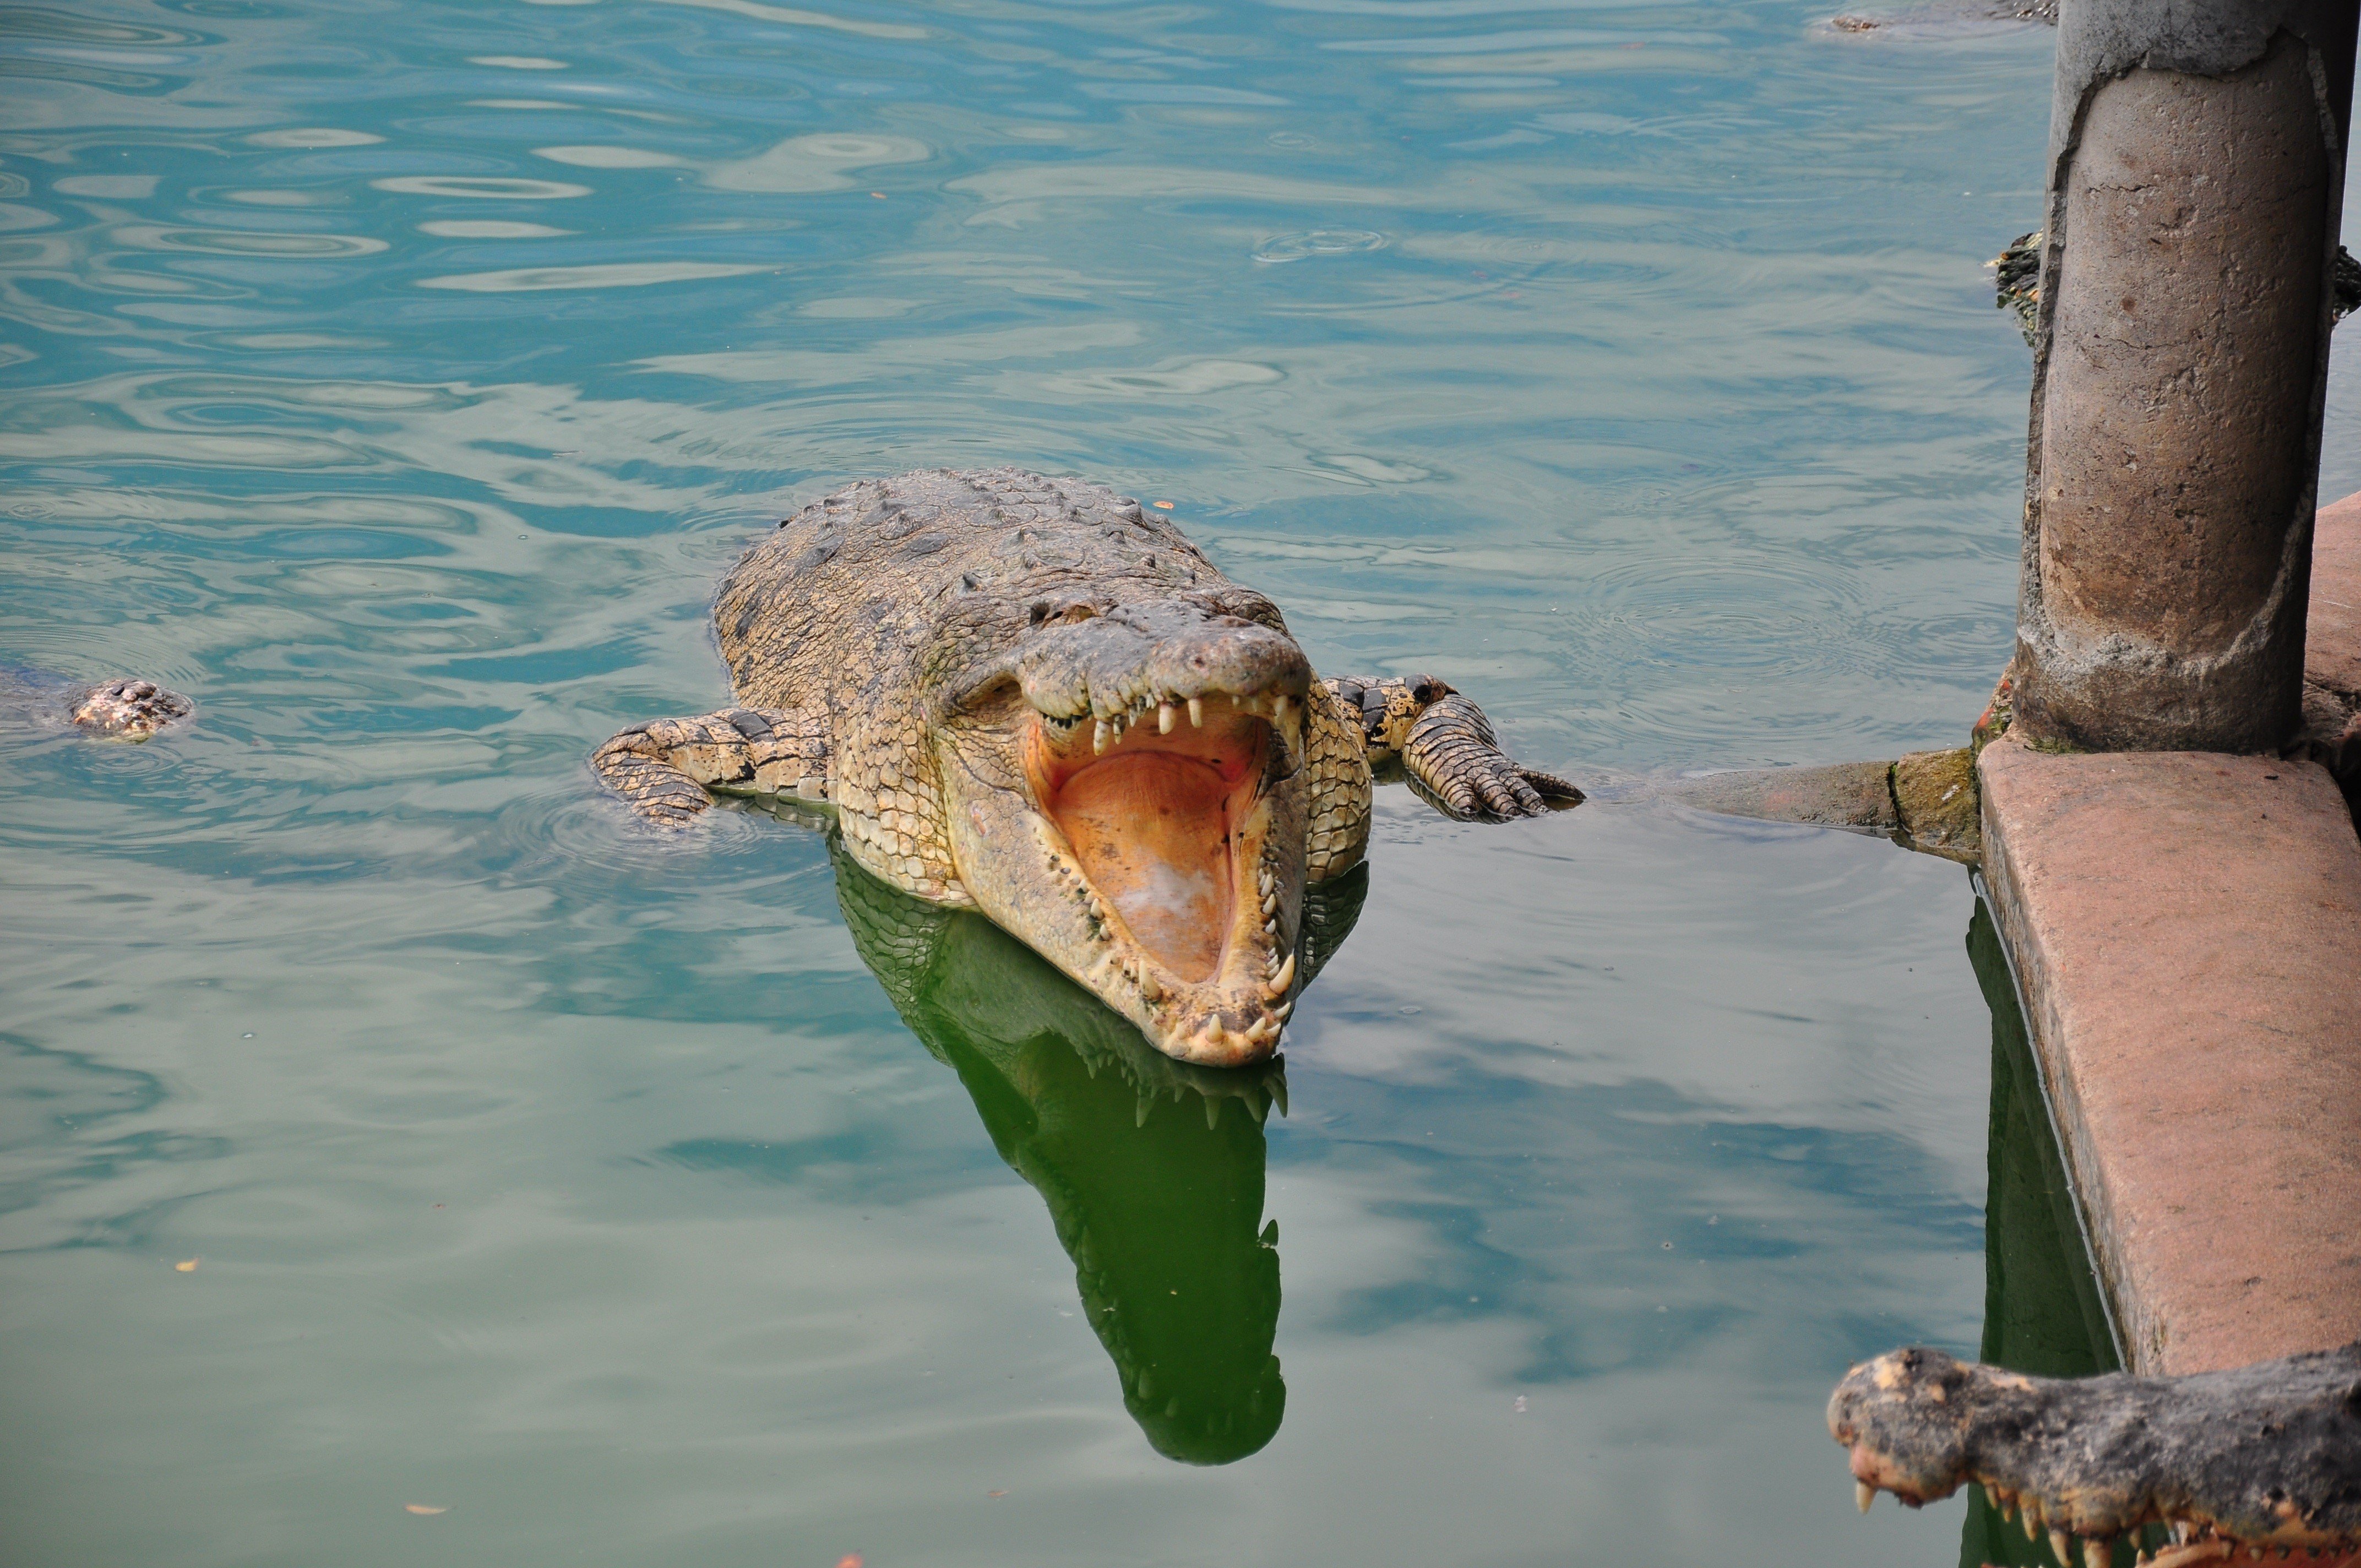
[
  {"x": 2257, "y": 1463},
  {"x": 130, "y": 709}
]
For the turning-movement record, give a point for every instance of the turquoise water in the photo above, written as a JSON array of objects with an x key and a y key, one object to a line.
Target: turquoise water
[{"x": 397, "y": 380}]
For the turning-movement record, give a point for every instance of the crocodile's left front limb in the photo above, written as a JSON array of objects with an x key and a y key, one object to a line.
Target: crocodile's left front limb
[
  {"x": 670, "y": 769},
  {"x": 1446, "y": 745}
]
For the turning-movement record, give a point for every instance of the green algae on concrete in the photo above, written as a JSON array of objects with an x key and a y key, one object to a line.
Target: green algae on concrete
[{"x": 2043, "y": 1310}]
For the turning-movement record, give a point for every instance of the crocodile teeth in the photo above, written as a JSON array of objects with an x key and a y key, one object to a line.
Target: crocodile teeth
[
  {"x": 1863, "y": 1494},
  {"x": 1099, "y": 738},
  {"x": 1270, "y": 904},
  {"x": 1265, "y": 880},
  {"x": 1277, "y": 986},
  {"x": 1164, "y": 717},
  {"x": 1278, "y": 1093},
  {"x": 1283, "y": 1012},
  {"x": 1196, "y": 712},
  {"x": 2098, "y": 1551},
  {"x": 2061, "y": 1546},
  {"x": 1270, "y": 929},
  {"x": 1279, "y": 707}
]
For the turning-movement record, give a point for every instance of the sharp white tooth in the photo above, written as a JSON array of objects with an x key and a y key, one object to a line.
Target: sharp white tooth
[
  {"x": 1196, "y": 712},
  {"x": 1164, "y": 718},
  {"x": 1265, "y": 880},
  {"x": 1270, "y": 929},
  {"x": 1115, "y": 724},
  {"x": 2062, "y": 1547},
  {"x": 1863, "y": 1494},
  {"x": 1279, "y": 707},
  {"x": 1213, "y": 1113},
  {"x": 1283, "y": 1012},
  {"x": 1285, "y": 978},
  {"x": 1099, "y": 738},
  {"x": 1270, "y": 904}
]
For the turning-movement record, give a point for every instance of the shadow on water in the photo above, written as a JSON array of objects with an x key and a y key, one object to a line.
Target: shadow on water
[
  {"x": 1152, "y": 1169},
  {"x": 2043, "y": 1311}
]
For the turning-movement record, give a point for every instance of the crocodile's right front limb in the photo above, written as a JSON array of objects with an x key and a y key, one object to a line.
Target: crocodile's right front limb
[
  {"x": 1447, "y": 747},
  {"x": 670, "y": 769}
]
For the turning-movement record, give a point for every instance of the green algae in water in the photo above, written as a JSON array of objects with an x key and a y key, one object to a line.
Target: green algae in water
[{"x": 399, "y": 383}]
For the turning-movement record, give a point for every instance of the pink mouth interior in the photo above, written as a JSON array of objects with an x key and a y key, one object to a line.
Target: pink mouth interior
[{"x": 1154, "y": 821}]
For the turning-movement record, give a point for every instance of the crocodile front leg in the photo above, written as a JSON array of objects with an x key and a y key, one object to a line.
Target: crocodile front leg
[
  {"x": 1446, "y": 745},
  {"x": 670, "y": 769}
]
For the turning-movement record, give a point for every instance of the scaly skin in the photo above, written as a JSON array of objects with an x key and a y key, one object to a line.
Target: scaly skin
[
  {"x": 2255, "y": 1463},
  {"x": 129, "y": 709},
  {"x": 1033, "y": 697}
]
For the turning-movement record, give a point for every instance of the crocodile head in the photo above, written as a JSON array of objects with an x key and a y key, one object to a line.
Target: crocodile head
[
  {"x": 1124, "y": 791},
  {"x": 2261, "y": 1463}
]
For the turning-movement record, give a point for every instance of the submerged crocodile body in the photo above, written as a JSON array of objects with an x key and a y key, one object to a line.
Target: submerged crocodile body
[
  {"x": 1035, "y": 698},
  {"x": 2259, "y": 1463}
]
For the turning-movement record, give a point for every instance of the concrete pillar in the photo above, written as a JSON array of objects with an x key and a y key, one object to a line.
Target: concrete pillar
[{"x": 2196, "y": 178}]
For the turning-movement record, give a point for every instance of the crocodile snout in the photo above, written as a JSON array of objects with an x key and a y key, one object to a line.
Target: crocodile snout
[{"x": 1105, "y": 665}]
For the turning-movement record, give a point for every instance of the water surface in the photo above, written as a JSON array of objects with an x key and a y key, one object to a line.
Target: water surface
[{"x": 397, "y": 379}]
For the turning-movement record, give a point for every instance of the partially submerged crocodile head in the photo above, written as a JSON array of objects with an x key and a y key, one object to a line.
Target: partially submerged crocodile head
[
  {"x": 2259, "y": 1463},
  {"x": 1125, "y": 786}
]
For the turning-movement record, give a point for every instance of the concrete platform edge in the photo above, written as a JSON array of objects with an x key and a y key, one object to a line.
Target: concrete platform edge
[{"x": 2185, "y": 932}]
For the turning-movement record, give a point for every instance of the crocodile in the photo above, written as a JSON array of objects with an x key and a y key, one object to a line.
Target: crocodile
[
  {"x": 1035, "y": 698},
  {"x": 123, "y": 709},
  {"x": 2254, "y": 1464}
]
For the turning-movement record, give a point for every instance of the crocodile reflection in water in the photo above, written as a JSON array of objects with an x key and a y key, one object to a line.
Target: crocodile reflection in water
[{"x": 1152, "y": 1168}]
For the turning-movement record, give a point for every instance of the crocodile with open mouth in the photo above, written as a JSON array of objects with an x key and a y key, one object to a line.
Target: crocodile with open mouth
[
  {"x": 2260, "y": 1462},
  {"x": 1034, "y": 698}
]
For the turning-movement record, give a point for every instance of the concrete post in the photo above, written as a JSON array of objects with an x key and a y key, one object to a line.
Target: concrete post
[{"x": 2196, "y": 180}]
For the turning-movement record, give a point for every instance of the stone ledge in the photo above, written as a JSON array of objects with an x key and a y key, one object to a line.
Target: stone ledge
[
  {"x": 2332, "y": 648},
  {"x": 2187, "y": 928}
]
